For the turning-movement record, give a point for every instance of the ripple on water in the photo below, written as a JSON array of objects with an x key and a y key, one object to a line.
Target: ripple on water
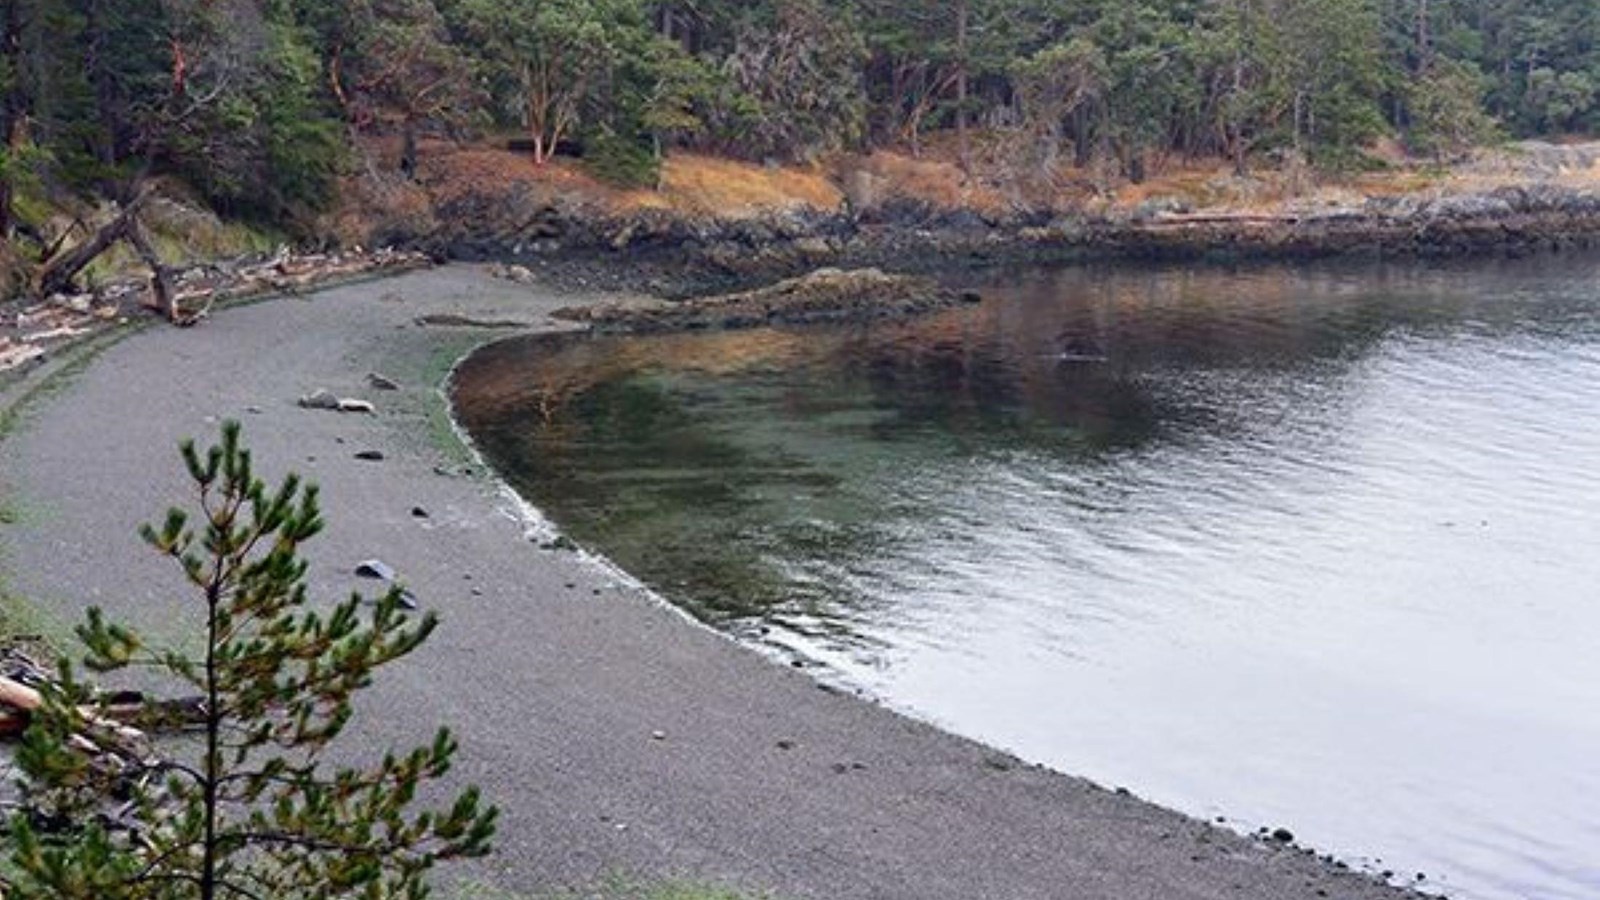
[{"x": 1311, "y": 547}]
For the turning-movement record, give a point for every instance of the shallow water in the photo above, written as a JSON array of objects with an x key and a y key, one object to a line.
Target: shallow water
[{"x": 1315, "y": 548}]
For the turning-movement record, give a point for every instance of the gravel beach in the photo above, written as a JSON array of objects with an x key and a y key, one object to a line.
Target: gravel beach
[{"x": 616, "y": 735}]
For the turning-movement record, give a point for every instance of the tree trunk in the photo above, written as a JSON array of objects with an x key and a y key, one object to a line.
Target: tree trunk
[
  {"x": 59, "y": 272},
  {"x": 1424, "y": 40},
  {"x": 408, "y": 150},
  {"x": 963, "y": 139},
  {"x": 13, "y": 109},
  {"x": 166, "y": 300}
]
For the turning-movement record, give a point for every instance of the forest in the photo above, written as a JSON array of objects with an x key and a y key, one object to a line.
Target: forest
[{"x": 262, "y": 105}]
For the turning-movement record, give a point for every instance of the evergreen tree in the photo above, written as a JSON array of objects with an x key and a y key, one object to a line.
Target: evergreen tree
[{"x": 257, "y": 810}]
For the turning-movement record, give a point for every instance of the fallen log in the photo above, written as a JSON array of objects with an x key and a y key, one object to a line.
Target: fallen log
[
  {"x": 19, "y": 701},
  {"x": 59, "y": 272}
]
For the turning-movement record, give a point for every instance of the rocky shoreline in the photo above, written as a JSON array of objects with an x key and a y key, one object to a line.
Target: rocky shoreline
[
  {"x": 680, "y": 256},
  {"x": 824, "y": 295}
]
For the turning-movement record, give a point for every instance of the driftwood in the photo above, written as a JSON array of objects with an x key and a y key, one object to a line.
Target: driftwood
[
  {"x": 187, "y": 298},
  {"x": 116, "y": 716},
  {"x": 160, "y": 276},
  {"x": 183, "y": 297},
  {"x": 58, "y": 273}
]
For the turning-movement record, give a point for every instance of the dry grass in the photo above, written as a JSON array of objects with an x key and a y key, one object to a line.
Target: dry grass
[
  {"x": 690, "y": 184},
  {"x": 1005, "y": 177},
  {"x": 703, "y": 185}
]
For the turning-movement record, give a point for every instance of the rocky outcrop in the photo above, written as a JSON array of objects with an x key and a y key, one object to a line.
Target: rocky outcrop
[
  {"x": 826, "y": 295},
  {"x": 676, "y": 255}
]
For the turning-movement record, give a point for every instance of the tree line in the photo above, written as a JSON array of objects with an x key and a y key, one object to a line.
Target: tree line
[{"x": 257, "y": 103}]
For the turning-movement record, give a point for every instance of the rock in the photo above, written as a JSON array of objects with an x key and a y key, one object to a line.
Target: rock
[
  {"x": 1283, "y": 836},
  {"x": 380, "y": 383},
  {"x": 320, "y": 399},
  {"x": 418, "y": 512},
  {"x": 825, "y": 295},
  {"x": 376, "y": 568},
  {"x": 370, "y": 456},
  {"x": 658, "y": 735},
  {"x": 815, "y": 247},
  {"x": 999, "y": 762},
  {"x": 1156, "y": 207}
]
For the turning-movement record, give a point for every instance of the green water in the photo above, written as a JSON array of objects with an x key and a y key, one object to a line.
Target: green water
[{"x": 1299, "y": 546}]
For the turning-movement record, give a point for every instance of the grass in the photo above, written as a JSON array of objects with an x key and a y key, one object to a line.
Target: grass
[
  {"x": 207, "y": 241},
  {"x": 706, "y": 185},
  {"x": 22, "y": 620}
]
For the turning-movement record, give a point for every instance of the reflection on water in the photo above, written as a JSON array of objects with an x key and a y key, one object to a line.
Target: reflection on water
[{"x": 1300, "y": 547}]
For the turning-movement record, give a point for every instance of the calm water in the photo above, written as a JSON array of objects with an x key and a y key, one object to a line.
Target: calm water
[{"x": 1317, "y": 547}]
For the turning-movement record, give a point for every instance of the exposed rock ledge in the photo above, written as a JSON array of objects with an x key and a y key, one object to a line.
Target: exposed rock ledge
[{"x": 826, "y": 295}]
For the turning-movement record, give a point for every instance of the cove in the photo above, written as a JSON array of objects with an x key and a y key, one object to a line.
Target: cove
[{"x": 1312, "y": 547}]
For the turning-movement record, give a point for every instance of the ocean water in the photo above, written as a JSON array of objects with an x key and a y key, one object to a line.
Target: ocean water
[{"x": 1305, "y": 547}]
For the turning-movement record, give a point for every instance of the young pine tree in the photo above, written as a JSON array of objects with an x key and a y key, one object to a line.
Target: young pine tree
[{"x": 255, "y": 811}]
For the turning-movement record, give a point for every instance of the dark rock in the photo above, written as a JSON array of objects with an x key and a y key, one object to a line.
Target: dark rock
[
  {"x": 418, "y": 512},
  {"x": 376, "y": 568},
  {"x": 370, "y": 456},
  {"x": 380, "y": 383},
  {"x": 1283, "y": 835},
  {"x": 320, "y": 399},
  {"x": 999, "y": 763}
]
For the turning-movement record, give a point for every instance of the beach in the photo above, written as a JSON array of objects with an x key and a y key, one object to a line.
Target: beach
[{"x": 616, "y": 735}]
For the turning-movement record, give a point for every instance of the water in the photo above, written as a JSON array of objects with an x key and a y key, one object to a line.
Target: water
[{"x": 1317, "y": 548}]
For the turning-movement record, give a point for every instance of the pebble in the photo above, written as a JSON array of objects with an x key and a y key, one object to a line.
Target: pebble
[
  {"x": 658, "y": 735},
  {"x": 376, "y": 568},
  {"x": 320, "y": 399},
  {"x": 999, "y": 763}
]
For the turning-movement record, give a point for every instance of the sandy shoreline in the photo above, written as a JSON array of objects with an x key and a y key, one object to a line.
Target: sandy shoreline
[{"x": 554, "y": 671}]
